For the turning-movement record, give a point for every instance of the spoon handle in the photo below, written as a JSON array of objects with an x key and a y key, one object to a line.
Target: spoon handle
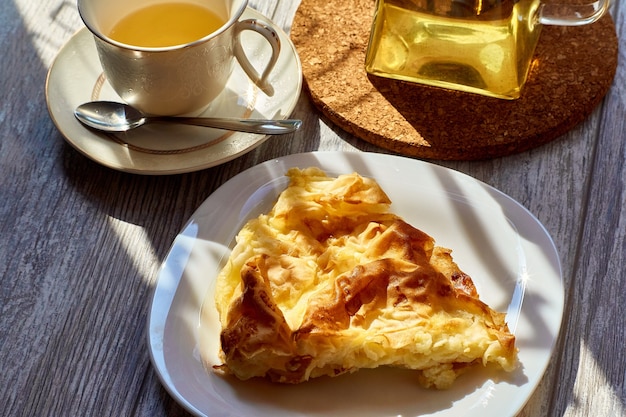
[{"x": 261, "y": 126}]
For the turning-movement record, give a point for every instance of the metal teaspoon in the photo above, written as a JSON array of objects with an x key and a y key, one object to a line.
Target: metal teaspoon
[{"x": 110, "y": 116}]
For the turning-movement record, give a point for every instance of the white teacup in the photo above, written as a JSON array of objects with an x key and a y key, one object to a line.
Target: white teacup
[{"x": 179, "y": 79}]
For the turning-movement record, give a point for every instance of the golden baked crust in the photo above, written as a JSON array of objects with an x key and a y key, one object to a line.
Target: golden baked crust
[{"x": 330, "y": 281}]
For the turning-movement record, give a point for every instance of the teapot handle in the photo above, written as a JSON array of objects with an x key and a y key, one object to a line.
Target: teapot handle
[{"x": 571, "y": 14}]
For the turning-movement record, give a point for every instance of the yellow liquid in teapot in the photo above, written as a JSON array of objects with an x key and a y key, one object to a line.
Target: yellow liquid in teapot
[
  {"x": 487, "y": 52},
  {"x": 166, "y": 24}
]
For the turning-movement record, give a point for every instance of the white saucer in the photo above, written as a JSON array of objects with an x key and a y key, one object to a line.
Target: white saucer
[{"x": 76, "y": 77}]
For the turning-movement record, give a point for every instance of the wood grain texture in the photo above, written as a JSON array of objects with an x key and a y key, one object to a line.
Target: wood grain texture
[{"x": 81, "y": 244}]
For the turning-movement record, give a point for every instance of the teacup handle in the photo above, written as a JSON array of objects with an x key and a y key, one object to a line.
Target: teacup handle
[
  {"x": 571, "y": 14},
  {"x": 272, "y": 37}
]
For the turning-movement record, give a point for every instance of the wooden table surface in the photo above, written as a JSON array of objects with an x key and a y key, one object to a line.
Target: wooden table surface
[{"x": 81, "y": 244}]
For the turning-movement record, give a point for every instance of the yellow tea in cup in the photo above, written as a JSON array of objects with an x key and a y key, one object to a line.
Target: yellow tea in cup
[
  {"x": 174, "y": 57},
  {"x": 166, "y": 24}
]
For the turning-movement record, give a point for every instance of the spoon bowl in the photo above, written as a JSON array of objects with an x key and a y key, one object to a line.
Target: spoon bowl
[{"x": 109, "y": 116}]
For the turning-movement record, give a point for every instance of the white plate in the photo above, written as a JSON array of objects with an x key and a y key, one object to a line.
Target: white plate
[
  {"x": 76, "y": 77},
  {"x": 508, "y": 253}
]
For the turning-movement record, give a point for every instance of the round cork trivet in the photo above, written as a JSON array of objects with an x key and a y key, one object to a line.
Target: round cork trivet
[{"x": 572, "y": 71}]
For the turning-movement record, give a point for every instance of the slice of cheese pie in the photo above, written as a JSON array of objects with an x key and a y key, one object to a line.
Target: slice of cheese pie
[{"x": 330, "y": 281}]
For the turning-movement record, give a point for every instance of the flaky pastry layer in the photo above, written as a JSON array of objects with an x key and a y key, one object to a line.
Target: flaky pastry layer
[{"x": 330, "y": 281}]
